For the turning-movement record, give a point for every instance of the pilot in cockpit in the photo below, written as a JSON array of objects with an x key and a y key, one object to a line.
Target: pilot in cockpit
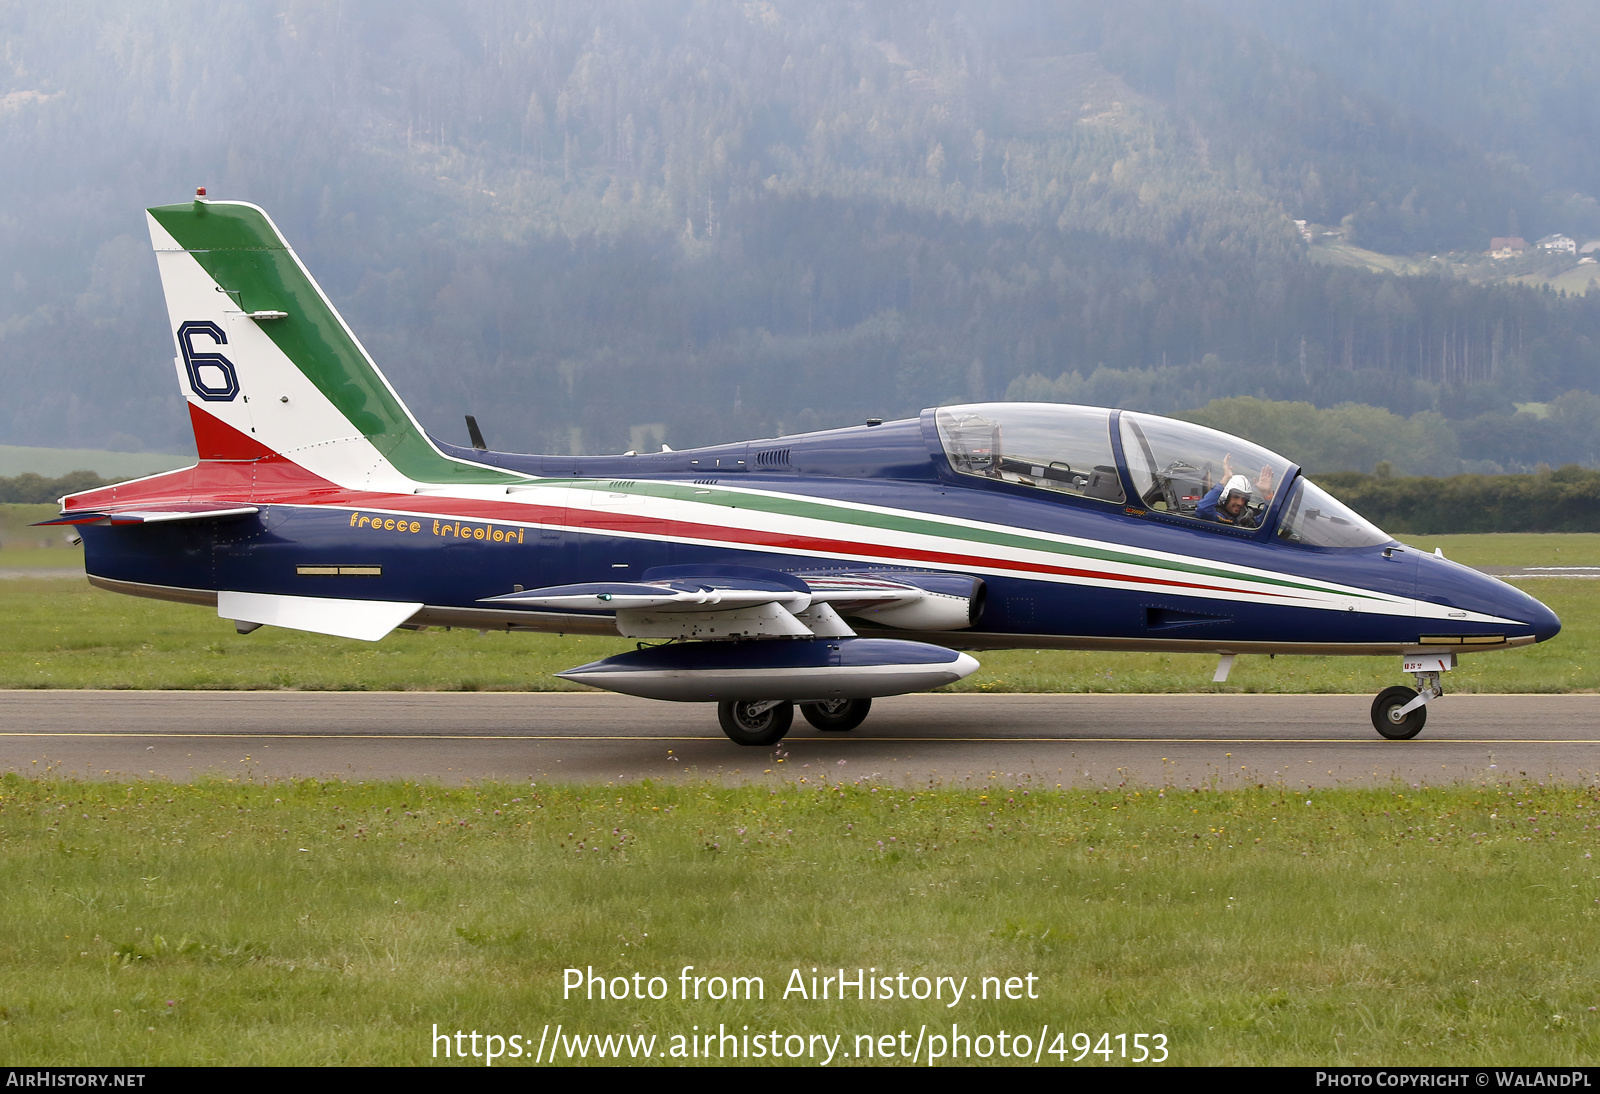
[{"x": 1229, "y": 502}]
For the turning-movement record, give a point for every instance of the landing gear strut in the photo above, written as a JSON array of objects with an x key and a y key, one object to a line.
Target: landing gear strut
[
  {"x": 837, "y": 715},
  {"x": 755, "y": 721}
]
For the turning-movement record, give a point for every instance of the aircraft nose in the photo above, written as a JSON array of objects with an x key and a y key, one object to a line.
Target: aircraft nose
[
  {"x": 1512, "y": 603},
  {"x": 1444, "y": 582},
  {"x": 1546, "y": 625}
]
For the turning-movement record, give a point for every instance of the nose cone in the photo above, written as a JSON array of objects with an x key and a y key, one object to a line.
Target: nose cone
[
  {"x": 1444, "y": 582},
  {"x": 1545, "y": 623},
  {"x": 1510, "y": 602}
]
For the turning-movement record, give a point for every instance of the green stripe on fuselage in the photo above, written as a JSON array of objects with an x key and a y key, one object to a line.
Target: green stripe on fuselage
[
  {"x": 238, "y": 247},
  {"x": 808, "y": 509}
]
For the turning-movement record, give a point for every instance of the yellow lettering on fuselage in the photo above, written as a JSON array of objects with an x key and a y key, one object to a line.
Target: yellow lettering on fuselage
[{"x": 488, "y": 533}]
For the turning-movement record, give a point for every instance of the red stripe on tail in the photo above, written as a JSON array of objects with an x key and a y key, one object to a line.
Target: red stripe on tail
[{"x": 216, "y": 440}]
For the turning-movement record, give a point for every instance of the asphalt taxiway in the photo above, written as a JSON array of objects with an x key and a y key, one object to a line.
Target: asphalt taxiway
[{"x": 1225, "y": 740}]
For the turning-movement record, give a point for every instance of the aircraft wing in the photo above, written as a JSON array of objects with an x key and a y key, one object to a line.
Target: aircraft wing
[
  {"x": 716, "y": 592},
  {"x": 677, "y": 596},
  {"x": 154, "y": 514},
  {"x": 733, "y": 601}
]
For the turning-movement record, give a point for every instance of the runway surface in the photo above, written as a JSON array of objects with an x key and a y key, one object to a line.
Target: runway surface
[{"x": 1226, "y": 740}]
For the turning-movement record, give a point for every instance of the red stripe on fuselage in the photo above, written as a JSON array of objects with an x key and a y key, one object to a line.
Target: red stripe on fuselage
[{"x": 587, "y": 521}]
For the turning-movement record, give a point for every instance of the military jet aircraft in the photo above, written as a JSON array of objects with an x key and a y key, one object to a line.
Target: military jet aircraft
[{"x": 820, "y": 570}]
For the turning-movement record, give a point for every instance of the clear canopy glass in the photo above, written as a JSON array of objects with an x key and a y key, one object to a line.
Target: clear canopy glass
[
  {"x": 1312, "y": 516},
  {"x": 1183, "y": 469},
  {"x": 1177, "y": 467},
  {"x": 1046, "y": 445}
]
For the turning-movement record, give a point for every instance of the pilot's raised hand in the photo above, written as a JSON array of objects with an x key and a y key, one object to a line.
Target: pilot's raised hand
[{"x": 1264, "y": 481}]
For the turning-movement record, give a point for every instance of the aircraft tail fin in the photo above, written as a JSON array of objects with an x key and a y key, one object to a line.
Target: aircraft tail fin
[{"x": 268, "y": 366}]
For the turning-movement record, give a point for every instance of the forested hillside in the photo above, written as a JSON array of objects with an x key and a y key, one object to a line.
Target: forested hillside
[{"x": 606, "y": 225}]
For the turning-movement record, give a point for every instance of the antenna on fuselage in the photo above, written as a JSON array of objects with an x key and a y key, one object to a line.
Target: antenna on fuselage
[{"x": 476, "y": 434}]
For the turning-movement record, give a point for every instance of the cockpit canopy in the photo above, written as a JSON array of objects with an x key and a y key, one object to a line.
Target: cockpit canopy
[
  {"x": 1048, "y": 445},
  {"x": 1175, "y": 467}
]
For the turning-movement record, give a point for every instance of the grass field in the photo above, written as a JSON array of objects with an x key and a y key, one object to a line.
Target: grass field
[
  {"x": 52, "y": 462},
  {"x": 26, "y": 547},
  {"x": 1336, "y": 252},
  {"x": 337, "y": 923},
  {"x": 1574, "y": 279},
  {"x": 64, "y": 634},
  {"x": 308, "y": 923}
]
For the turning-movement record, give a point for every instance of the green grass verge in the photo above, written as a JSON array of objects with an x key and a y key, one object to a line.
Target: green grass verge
[
  {"x": 1514, "y": 548},
  {"x": 297, "y": 923},
  {"x": 23, "y": 546},
  {"x": 67, "y": 634},
  {"x": 51, "y": 462}
]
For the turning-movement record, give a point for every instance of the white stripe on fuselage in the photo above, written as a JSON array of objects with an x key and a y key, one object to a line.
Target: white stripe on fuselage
[{"x": 1326, "y": 596}]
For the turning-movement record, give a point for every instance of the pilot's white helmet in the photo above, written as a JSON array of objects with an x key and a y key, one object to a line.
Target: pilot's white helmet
[{"x": 1236, "y": 485}]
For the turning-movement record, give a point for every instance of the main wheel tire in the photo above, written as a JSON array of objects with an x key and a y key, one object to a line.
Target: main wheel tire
[
  {"x": 744, "y": 726},
  {"x": 1386, "y": 718},
  {"x": 837, "y": 715}
]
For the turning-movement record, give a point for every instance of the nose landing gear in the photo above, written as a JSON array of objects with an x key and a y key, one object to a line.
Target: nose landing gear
[
  {"x": 1399, "y": 713},
  {"x": 1393, "y": 716}
]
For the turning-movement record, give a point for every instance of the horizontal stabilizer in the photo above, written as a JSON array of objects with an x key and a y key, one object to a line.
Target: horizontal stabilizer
[
  {"x": 368, "y": 620},
  {"x": 158, "y": 514}
]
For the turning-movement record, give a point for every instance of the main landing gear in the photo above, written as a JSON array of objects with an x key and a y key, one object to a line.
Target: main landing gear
[
  {"x": 837, "y": 715},
  {"x": 766, "y": 721},
  {"x": 1399, "y": 713},
  {"x": 755, "y": 721}
]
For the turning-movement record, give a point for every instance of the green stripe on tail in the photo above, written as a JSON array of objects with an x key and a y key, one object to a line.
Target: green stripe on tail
[{"x": 239, "y": 247}]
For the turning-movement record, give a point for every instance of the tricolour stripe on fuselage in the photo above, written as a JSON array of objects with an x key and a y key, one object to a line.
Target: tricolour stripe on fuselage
[{"x": 846, "y": 537}]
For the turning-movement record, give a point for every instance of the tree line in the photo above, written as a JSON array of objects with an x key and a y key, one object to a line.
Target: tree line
[
  {"x": 31, "y": 489},
  {"x": 705, "y": 220},
  {"x": 1564, "y": 500}
]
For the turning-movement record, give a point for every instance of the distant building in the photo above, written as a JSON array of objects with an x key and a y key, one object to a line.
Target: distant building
[
  {"x": 1507, "y": 246},
  {"x": 1559, "y": 244},
  {"x": 1305, "y": 233}
]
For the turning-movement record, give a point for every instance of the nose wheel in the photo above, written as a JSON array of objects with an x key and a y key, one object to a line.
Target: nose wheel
[
  {"x": 1392, "y": 714},
  {"x": 755, "y": 721}
]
